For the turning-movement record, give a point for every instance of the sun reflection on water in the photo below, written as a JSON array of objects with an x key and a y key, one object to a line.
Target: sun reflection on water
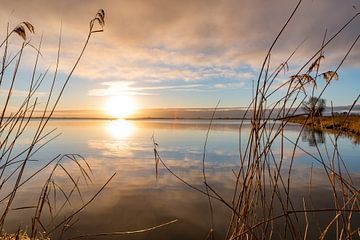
[{"x": 120, "y": 129}]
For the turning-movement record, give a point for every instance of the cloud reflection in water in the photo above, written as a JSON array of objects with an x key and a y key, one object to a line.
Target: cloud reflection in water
[{"x": 134, "y": 199}]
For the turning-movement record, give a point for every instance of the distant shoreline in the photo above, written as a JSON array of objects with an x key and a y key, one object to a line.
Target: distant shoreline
[{"x": 131, "y": 119}]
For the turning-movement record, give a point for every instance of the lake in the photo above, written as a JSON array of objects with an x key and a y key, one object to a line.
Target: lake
[{"x": 137, "y": 198}]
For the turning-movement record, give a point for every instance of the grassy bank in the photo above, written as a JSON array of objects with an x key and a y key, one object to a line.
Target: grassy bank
[{"x": 349, "y": 125}]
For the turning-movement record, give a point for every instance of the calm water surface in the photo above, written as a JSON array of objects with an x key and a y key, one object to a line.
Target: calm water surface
[{"x": 135, "y": 199}]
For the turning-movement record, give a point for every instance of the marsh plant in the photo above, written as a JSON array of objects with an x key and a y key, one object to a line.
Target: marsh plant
[
  {"x": 36, "y": 109},
  {"x": 262, "y": 206}
]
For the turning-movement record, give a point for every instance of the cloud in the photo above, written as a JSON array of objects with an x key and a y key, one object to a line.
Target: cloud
[
  {"x": 206, "y": 42},
  {"x": 229, "y": 85},
  {"x": 128, "y": 88}
]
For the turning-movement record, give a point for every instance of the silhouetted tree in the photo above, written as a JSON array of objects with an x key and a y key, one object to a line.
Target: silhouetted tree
[{"x": 314, "y": 106}]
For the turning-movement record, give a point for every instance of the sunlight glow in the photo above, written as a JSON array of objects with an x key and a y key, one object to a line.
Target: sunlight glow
[
  {"x": 120, "y": 129},
  {"x": 120, "y": 106}
]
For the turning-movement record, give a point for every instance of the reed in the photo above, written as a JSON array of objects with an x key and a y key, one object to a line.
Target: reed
[
  {"x": 15, "y": 119},
  {"x": 262, "y": 205}
]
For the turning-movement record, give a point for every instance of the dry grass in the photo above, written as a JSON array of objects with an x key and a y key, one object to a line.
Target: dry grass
[
  {"x": 55, "y": 196},
  {"x": 348, "y": 126},
  {"x": 20, "y": 236},
  {"x": 342, "y": 124},
  {"x": 262, "y": 205}
]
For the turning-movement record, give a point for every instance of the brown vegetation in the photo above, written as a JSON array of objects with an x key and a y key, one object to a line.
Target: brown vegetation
[
  {"x": 340, "y": 124},
  {"x": 20, "y": 236},
  {"x": 49, "y": 218},
  {"x": 263, "y": 205}
]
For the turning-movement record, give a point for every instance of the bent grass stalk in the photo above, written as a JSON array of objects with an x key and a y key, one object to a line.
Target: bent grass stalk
[
  {"x": 14, "y": 123},
  {"x": 50, "y": 218}
]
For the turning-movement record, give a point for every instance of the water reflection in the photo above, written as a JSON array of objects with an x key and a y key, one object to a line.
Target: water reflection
[
  {"x": 136, "y": 200},
  {"x": 120, "y": 129},
  {"x": 313, "y": 136}
]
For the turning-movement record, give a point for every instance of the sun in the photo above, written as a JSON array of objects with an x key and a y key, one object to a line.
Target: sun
[{"x": 120, "y": 106}]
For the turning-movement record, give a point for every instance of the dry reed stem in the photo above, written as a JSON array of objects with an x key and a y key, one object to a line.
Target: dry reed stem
[{"x": 262, "y": 191}]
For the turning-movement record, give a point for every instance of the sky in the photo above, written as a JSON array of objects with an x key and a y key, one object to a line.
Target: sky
[{"x": 189, "y": 53}]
